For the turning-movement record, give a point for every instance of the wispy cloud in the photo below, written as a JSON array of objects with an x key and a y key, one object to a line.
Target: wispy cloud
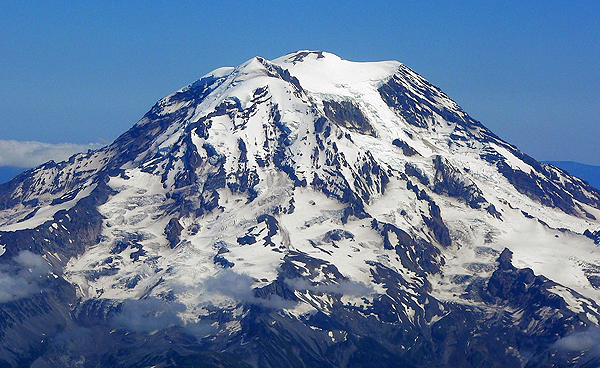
[
  {"x": 586, "y": 340},
  {"x": 239, "y": 287},
  {"x": 147, "y": 315},
  {"x": 31, "y": 153},
  {"x": 23, "y": 279}
]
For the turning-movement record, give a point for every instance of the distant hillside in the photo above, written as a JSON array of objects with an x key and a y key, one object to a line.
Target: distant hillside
[{"x": 589, "y": 173}]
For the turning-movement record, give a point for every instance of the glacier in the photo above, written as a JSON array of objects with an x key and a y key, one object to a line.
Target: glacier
[{"x": 304, "y": 211}]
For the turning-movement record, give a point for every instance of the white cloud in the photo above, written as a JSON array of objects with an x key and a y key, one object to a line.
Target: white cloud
[
  {"x": 239, "y": 287},
  {"x": 151, "y": 314},
  {"x": 22, "y": 280},
  {"x": 586, "y": 340},
  {"x": 31, "y": 153}
]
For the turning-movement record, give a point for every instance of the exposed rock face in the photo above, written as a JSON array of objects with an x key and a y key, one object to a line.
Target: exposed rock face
[
  {"x": 173, "y": 231},
  {"x": 406, "y": 149},
  {"x": 302, "y": 212},
  {"x": 451, "y": 182},
  {"x": 348, "y": 115}
]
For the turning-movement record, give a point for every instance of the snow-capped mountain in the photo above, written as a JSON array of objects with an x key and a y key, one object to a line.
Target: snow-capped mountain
[{"x": 307, "y": 211}]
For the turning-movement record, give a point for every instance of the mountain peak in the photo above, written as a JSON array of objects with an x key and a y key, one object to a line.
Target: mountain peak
[
  {"x": 313, "y": 197},
  {"x": 327, "y": 73},
  {"x": 302, "y": 55}
]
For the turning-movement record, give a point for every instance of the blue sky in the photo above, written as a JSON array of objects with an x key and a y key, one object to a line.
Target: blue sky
[{"x": 79, "y": 72}]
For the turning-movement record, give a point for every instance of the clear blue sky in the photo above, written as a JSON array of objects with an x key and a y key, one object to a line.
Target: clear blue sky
[{"x": 79, "y": 72}]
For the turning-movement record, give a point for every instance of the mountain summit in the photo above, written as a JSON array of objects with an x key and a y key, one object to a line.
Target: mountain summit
[{"x": 307, "y": 211}]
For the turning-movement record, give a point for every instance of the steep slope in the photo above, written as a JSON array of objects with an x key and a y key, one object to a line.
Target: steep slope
[
  {"x": 305, "y": 211},
  {"x": 589, "y": 173}
]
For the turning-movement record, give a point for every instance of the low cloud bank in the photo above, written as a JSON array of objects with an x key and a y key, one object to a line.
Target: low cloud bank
[
  {"x": 22, "y": 280},
  {"x": 31, "y": 153},
  {"x": 152, "y": 314},
  {"x": 147, "y": 315},
  {"x": 587, "y": 340},
  {"x": 239, "y": 287}
]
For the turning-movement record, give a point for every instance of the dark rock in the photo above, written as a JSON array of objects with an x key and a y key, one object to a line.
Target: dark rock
[
  {"x": 595, "y": 236},
  {"x": 222, "y": 261},
  {"x": 594, "y": 280},
  {"x": 396, "y": 96},
  {"x": 133, "y": 281},
  {"x": 416, "y": 172},
  {"x": 119, "y": 247},
  {"x": 173, "y": 231},
  {"x": 272, "y": 228},
  {"x": 419, "y": 104},
  {"x": 491, "y": 209},
  {"x": 416, "y": 255},
  {"x": 299, "y": 56},
  {"x": 135, "y": 256},
  {"x": 348, "y": 115},
  {"x": 246, "y": 239},
  {"x": 337, "y": 235},
  {"x": 406, "y": 149},
  {"x": 449, "y": 181},
  {"x": 319, "y": 124},
  {"x": 437, "y": 225}
]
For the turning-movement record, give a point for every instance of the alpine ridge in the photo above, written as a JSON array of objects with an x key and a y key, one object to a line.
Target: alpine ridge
[{"x": 307, "y": 211}]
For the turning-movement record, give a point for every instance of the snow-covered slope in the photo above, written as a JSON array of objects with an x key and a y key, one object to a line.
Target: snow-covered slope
[{"x": 334, "y": 200}]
